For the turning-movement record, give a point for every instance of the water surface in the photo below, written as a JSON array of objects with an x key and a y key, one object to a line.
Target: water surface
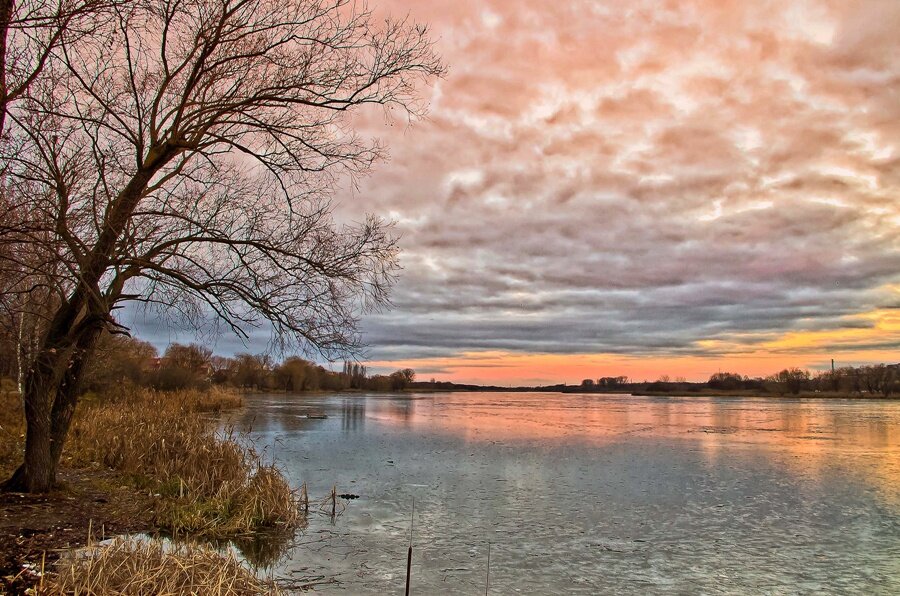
[{"x": 592, "y": 493}]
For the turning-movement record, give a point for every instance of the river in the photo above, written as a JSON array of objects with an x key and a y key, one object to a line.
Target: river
[{"x": 588, "y": 494}]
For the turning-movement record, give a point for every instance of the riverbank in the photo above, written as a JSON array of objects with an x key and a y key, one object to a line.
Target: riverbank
[
  {"x": 139, "y": 461},
  {"x": 37, "y": 528}
]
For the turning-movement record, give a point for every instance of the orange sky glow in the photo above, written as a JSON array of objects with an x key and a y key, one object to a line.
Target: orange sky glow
[{"x": 806, "y": 350}]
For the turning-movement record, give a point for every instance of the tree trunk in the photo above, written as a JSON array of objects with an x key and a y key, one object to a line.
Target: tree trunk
[
  {"x": 50, "y": 396},
  {"x": 38, "y": 470},
  {"x": 67, "y": 394},
  {"x": 37, "y": 473}
]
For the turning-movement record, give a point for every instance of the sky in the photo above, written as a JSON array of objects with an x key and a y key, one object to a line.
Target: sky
[{"x": 642, "y": 188}]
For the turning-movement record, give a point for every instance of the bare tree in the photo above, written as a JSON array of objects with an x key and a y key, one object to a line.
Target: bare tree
[
  {"x": 29, "y": 32},
  {"x": 183, "y": 155}
]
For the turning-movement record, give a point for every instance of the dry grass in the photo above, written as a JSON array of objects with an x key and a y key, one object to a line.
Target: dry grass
[
  {"x": 207, "y": 484},
  {"x": 151, "y": 566},
  {"x": 12, "y": 418},
  {"x": 12, "y": 428}
]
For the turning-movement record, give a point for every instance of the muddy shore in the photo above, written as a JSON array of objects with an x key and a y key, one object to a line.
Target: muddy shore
[{"x": 35, "y": 529}]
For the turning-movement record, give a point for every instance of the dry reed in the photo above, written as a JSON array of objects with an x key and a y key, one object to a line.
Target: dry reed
[
  {"x": 151, "y": 566},
  {"x": 207, "y": 483}
]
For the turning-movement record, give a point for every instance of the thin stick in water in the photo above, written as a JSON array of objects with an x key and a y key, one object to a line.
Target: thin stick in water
[
  {"x": 305, "y": 497},
  {"x": 487, "y": 579},
  {"x": 412, "y": 521}
]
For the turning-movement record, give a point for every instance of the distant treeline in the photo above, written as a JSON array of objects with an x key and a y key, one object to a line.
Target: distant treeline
[
  {"x": 877, "y": 380},
  {"x": 881, "y": 380},
  {"x": 121, "y": 359}
]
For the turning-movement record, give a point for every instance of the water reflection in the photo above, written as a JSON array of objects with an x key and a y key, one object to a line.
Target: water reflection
[
  {"x": 353, "y": 415},
  {"x": 588, "y": 494},
  {"x": 262, "y": 552}
]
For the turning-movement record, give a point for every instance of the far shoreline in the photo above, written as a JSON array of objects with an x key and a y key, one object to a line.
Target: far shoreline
[{"x": 447, "y": 387}]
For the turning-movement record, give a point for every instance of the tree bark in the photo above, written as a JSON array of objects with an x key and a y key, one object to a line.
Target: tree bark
[
  {"x": 68, "y": 392},
  {"x": 37, "y": 472}
]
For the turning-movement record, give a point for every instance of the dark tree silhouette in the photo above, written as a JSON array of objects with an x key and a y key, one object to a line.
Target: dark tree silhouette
[{"x": 183, "y": 154}]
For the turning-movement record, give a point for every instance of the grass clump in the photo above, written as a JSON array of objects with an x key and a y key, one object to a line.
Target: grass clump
[
  {"x": 206, "y": 483},
  {"x": 152, "y": 566}
]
